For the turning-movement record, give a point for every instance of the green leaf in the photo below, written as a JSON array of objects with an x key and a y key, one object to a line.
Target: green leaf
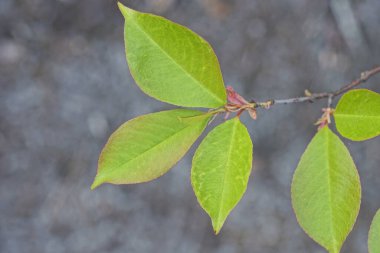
[
  {"x": 374, "y": 235},
  {"x": 170, "y": 62},
  {"x": 326, "y": 191},
  {"x": 146, "y": 147},
  {"x": 357, "y": 115},
  {"x": 221, "y": 168}
]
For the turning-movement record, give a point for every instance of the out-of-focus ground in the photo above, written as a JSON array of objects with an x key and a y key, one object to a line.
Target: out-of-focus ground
[{"x": 65, "y": 86}]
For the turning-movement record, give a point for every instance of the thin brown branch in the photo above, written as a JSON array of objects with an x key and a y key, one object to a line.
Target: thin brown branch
[{"x": 316, "y": 96}]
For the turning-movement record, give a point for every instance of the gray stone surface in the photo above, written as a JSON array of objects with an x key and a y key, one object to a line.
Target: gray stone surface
[{"x": 65, "y": 86}]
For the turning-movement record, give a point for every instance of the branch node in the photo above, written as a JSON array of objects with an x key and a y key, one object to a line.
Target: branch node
[
  {"x": 308, "y": 93},
  {"x": 325, "y": 119},
  {"x": 364, "y": 76}
]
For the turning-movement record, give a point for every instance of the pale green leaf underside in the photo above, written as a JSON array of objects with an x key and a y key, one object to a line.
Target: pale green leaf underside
[
  {"x": 326, "y": 191},
  {"x": 221, "y": 168},
  {"x": 170, "y": 62},
  {"x": 357, "y": 115},
  {"x": 146, "y": 147},
  {"x": 374, "y": 235}
]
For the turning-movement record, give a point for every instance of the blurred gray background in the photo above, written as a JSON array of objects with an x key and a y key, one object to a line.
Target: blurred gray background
[{"x": 65, "y": 86}]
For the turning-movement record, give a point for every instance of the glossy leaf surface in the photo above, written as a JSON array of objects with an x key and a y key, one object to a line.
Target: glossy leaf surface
[
  {"x": 326, "y": 191},
  {"x": 357, "y": 115},
  {"x": 146, "y": 147},
  {"x": 170, "y": 62},
  {"x": 221, "y": 168}
]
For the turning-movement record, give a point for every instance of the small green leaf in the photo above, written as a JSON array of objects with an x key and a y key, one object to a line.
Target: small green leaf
[
  {"x": 170, "y": 62},
  {"x": 357, "y": 115},
  {"x": 374, "y": 235},
  {"x": 221, "y": 168},
  {"x": 146, "y": 147},
  {"x": 326, "y": 191}
]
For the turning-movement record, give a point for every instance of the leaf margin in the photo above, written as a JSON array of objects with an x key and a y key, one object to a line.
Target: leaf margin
[
  {"x": 218, "y": 227},
  {"x": 128, "y": 12},
  {"x": 340, "y": 125},
  {"x": 99, "y": 179},
  {"x": 359, "y": 192}
]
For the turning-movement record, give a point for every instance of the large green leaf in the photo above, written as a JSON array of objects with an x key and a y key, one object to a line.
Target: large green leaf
[
  {"x": 221, "y": 168},
  {"x": 357, "y": 115},
  {"x": 170, "y": 62},
  {"x": 146, "y": 147},
  {"x": 374, "y": 235},
  {"x": 326, "y": 191}
]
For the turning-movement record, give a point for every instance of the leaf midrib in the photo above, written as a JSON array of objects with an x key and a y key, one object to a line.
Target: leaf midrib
[
  {"x": 219, "y": 100},
  {"x": 226, "y": 170},
  {"x": 329, "y": 190},
  {"x": 356, "y": 115},
  {"x": 114, "y": 170}
]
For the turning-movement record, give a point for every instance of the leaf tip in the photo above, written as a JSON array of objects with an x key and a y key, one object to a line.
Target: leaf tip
[
  {"x": 97, "y": 182},
  {"x": 121, "y": 6},
  {"x": 124, "y": 9},
  {"x": 216, "y": 230},
  {"x": 216, "y": 227}
]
